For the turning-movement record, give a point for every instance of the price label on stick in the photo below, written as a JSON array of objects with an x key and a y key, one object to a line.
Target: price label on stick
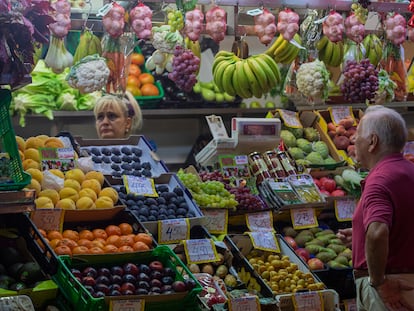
[
  {"x": 140, "y": 185},
  {"x": 262, "y": 221},
  {"x": 173, "y": 230},
  {"x": 303, "y": 218},
  {"x": 340, "y": 112},
  {"x": 308, "y": 301},
  {"x": 290, "y": 118},
  {"x": 265, "y": 240},
  {"x": 245, "y": 303},
  {"x": 127, "y": 305},
  {"x": 344, "y": 209},
  {"x": 216, "y": 220},
  {"x": 200, "y": 251},
  {"x": 48, "y": 219}
]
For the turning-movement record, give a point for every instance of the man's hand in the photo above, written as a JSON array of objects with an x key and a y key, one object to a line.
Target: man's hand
[
  {"x": 345, "y": 235},
  {"x": 390, "y": 293}
]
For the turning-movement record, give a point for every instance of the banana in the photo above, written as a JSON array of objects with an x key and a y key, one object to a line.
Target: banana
[
  {"x": 222, "y": 57},
  {"x": 260, "y": 74},
  {"x": 218, "y": 74},
  {"x": 236, "y": 83},
  {"x": 281, "y": 50},
  {"x": 98, "y": 44},
  {"x": 322, "y": 43},
  {"x": 224, "y": 53},
  {"x": 242, "y": 81},
  {"x": 328, "y": 51},
  {"x": 288, "y": 57},
  {"x": 273, "y": 66},
  {"x": 227, "y": 79},
  {"x": 270, "y": 75},
  {"x": 251, "y": 78},
  {"x": 270, "y": 51},
  {"x": 335, "y": 59}
]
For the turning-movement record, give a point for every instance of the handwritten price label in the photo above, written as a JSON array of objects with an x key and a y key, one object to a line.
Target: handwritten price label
[
  {"x": 140, "y": 185},
  {"x": 303, "y": 218},
  {"x": 350, "y": 305},
  {"x": 340, "y": 112},
  {"x": 48, "y": 219},
  {"x": 200, "y": 251},
  {"x": 216, "y": 220},
  {"x": 290, "y": 118},
  {"x": 265, "y": 240},
  {"x": 262, "y": 221},
  {"x": 246, "y": 303},
  {"x": 310, "y": 301},
  {"x": 173, "y": 230},
  {"x": 127, "y": 305},
  {"x": 344, "y": 209}
]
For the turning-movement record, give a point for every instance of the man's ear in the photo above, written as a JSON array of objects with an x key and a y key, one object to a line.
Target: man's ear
[{"x": 373, "y": 142}]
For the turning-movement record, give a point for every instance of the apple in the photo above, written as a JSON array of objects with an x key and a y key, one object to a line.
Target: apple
[
  {"x": 179, "y": 286},
  {"x": 156, "y": 265},
  {"x": 270, "y": 104},
  {"x": 127, "y": 287},
  {"x": 90, "y": 271},
  {"x": 131, "y": 268},
  {"x": 255, "y": 104},
  {"x": 315, "y": 264},
  {"x": 303, "y": 253},
  {"x": 291, "y": 241},
  {"x": 88, "y": 280}
]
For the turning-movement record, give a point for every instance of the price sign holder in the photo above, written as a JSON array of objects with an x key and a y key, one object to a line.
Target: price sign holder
[
  {"x": 200, "y": 251},
  {"x": 264, "y": 240},
  {"x": 216, "y": 220},
  {"x": 262, "y": 221},
  {"x": 340, "y": 112},
  {"x": 48, "y": 219},
  {"x": 245, "y": 303},
  {"x": 173, "y": 230},
  {"x": 303, "y": 218},
  {"x": 308, "y": 301},
  {"x": 350, "y": 305},
  {"x": 344, "y": 208},
  {"x": 290, "y": 118},
  {"x": 140, "y": 185},
  {"x": 127, "y": 305},
  {"x": 57, "y": 158}
]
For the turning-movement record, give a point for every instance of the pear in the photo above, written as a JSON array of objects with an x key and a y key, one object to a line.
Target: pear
[
  {"x": 208, "y": 94},
  {"x": 207, "y": 85},
  {"x": 197, "y": 88},
  {"x": 219, "y": 97}
]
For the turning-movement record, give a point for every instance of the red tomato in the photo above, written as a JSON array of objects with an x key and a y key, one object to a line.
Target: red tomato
[
  {"x": 338, "y": 193},
  {"x": 328, "y": 184}
]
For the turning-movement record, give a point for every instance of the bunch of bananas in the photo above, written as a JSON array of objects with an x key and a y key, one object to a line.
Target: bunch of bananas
[
  {"x": 373, "y": 48},
  {"x": 283, "y": 51},
  {"x": 253, "y": 76},
  {"x": 331, "y": 53},
  {"x": 89, "y": 44},
  {"x": 248, "y": 280}
]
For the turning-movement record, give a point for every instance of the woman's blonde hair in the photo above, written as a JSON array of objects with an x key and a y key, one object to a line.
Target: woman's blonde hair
[{"x": 128, "y": 106}]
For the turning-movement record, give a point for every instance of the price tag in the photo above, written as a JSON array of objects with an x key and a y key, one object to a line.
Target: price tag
[
  {"x": 350, "y": 305},
  {"x": 127, "y": 305},
  {"x": 57, "y": 158},
  {"x": 310, "y": 301},
  {"x": 234, "y": 166},
  {"x": 173, "y": 230},
  {"x": 340, "y": 112},
  {"x": 344, "y": 209},
  {"x": 200, "y": 251},
  {"x": 262, "y": 221},
  {"x": 140, "y": 185},
  {"x": 216, "y": 220},
  {"x": 303, "y": 218},
  {"x": 48, "y": 219},
  {"x": 245, "y": 303},
  {"x": 290, "y": 118},
  {"x": 264, "y": 240}
]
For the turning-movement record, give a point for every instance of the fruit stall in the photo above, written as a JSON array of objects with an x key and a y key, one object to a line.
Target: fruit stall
[{"x": 253, "y": 110}]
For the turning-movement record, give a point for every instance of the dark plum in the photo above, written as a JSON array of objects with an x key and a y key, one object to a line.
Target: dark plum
[
  {"x": 167, "y": 280},
  {"x": 103, "y": 279},
  {"x": 104, "y": 288},
  {"x": 96, "y": 159},
  {"x": 115, "y": 151},
  {"x": 90, "y": 271},
  {"x": 129, "y": 278},
  {"x": 143, "y": 268},
  {"x": 106, "y": 151},
  {"x": 131, "y": 268},
  {"x": 126, "y": 150},
  {"x": 141, "y": 291}
]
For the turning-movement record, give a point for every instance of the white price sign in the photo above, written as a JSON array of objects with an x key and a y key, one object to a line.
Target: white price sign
[
  {"x": 200, "y": 251},
  {"x": 309, "y": 301},
  {"x": 340, "y": 112},
  {"x": 290, "y": 118},
  {"x": 127, "y": 305},
  {"x": 140, "y": 185},
  {"x": 173, "y": 230},
  {"x": 245, "y": 303},
  {"x": 265, "y": 240},
  {"x": 48, "y": 219},
  {"x": 216, "y": 220},
  {"x": 344, "y": 209},
  {"x": 303, "y": 218},
  {"x": 262, "y": 221}
]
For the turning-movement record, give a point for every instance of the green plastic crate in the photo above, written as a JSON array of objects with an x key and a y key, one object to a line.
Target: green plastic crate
[
  {"x": 18, "y": 178},
  {"x": 82, "y": 300}
]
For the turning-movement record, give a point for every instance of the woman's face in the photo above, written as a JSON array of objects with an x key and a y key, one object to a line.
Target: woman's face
[{"x": 111, "y": 123}]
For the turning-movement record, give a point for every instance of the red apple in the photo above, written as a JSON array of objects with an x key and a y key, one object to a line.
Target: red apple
[
  {"x": 156, "y": 265},
  {"x": 315, "y": 264},
  {"x": 303, "y": 253},
  {"x": 291, "y": 241}
]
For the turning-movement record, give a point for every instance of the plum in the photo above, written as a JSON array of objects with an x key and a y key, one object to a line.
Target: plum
[
  {"x": 179, "y": 286},
  {"x": 131, "y": 268},
  {"x": 90, "y": 271}
]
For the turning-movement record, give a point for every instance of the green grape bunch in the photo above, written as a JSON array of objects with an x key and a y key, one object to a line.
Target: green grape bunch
[{"x": 175, "y": 20}]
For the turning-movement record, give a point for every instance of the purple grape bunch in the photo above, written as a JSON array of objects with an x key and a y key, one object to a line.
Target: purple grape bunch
[
  {"x": 360, "y": 81},
  {"x": 185, "y": 66}
]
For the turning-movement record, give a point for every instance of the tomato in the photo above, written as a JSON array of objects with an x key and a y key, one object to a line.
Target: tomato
[
  {"x": 146, "y": 78},
  {"x": 338, "y": 193},
  {"x": 149, "y": 89},
  {"x": 137, "y": 59},
  {"x": 328, "y": 184},
  {"x": 134, "y": 70}
]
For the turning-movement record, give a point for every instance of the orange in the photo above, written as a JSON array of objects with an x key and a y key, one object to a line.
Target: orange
[
  {"x": 54, "y": 234},
  {"x": 146, "y": 78},
  {"x": 134, "y": 70},
  {"x": 97, "y": 243},
  {"x": 96, "y": 250},
  {"x": 86, "y": 234},
  {"x": 85, "y": 242},
  {"x": 71, "y": 234},
  {"x": 137, "y": 59},
  {"x": 100, "y": 240},
  {"x": 100, "y": 233},
  {"x": 63, "y": 250},
  {"x": 126, "y": 228},
  {"x": 149, "y": 89},
  {"x": 112, "y": 239},
  {"x": 113, "y": 230},
  {"x": 42, "y": 232},
  {"x": 143, "y": 237},
  {"x": 110, "y": 248},
  {"x": 67, "y": 242},
  {"x": 124, "y": 240},
  {"x": 53, "y": 243},
  {"x": 140, "y": 246},
  {"x": 80, "y": 250},
  {"x": 133, "y": 81},
  {"x": 125, "y": 249},
  {"x": 134, "y": 89}
]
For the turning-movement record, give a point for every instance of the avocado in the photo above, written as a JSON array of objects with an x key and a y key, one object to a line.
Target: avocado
[
  {"x": 9, "y": 255},
  {"x": 30, "y": 272},
  {"x": 6, "y": 281},
  {"x": 15, "y": 269}
]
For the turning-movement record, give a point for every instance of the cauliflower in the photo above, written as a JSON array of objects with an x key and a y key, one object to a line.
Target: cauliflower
[
  {"x": 312, "y": 79},
  {"x": 288, "y": 138},
  {"x": 88, "y": 75},
  {"x": 304, "y": 144},
  {"x": 321, "y": 148},
  {"x": 164, "y": 40}
]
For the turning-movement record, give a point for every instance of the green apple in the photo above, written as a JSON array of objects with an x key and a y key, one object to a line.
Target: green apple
[
  {"x": 270, "y": 104},
  {"x": 197, "y": 88},
  {"x": 207, "y": 85},
  {"x": 208, "y": 94},
  {"x": 243, "y": 105},
  {"x": 255, "y": 104},
  {"x": 219, "y": 97}
]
